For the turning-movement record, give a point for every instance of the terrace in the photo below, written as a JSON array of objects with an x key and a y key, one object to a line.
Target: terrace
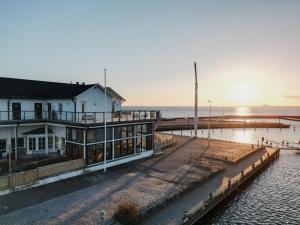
[{"x": 11, "y": 117}]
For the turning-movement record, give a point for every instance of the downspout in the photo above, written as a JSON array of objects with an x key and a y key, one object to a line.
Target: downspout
[
  {"x": 8, "y": 107},
  {"x": 74, "y": 101}
]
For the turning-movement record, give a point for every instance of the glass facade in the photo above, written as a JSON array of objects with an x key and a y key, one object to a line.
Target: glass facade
[{"x": 121, "y": 141}]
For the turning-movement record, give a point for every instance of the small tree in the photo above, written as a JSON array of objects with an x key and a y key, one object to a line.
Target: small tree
[{"x": 128, "y": 214}]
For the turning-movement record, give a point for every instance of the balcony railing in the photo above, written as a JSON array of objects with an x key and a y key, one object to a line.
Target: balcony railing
[{"x": 79, "y": 117}]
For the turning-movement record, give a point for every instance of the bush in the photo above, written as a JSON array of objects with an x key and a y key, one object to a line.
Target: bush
[{"x": 128, "y": 214}]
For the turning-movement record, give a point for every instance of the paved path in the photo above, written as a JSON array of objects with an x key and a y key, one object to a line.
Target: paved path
[
  {"x": 80, "y": 199},
  {"x": 172, "y": 214}
]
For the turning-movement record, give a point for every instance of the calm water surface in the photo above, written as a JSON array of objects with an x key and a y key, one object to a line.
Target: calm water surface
[{"x": 272, "y": 198}]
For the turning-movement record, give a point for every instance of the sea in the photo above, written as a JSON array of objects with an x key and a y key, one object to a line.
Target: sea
[{"x": 274, "y": 196}]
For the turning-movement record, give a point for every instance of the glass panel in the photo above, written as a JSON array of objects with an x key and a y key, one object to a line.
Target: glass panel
[
  {"x": 13, "y": 143},
  {"x": 42, "y": 143},
  {"x": 130, "y": 149},
  {"x": 129, "y": 131},
  {"x": 149, "y": 128},
  {"x": 99, "y": 135},
  {"x": 139, "y": 130},
  {"x": 138, "y": 144},
  {"x": 74, "y": 151},
  {"x": 91, "y": 136},
  {"x": 108, "y": 150},
  {"x": 32, "y": 144},
  {"x": 117, "y": 149},
  {"x": 144, "y": 128},
  {"x": 149, "y": 143},
  {"x": 124, "y": 148},
  {"x": 143, "y": 143},
  {"x": 21, "y": 142},
  {"x": 117, "y": 132},
  {"x": 50, "y": 142},
  {"x": 91, "y": 154},
  {"x": 99, "y": 152}
]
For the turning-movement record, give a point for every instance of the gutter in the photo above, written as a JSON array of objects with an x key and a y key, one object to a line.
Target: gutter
[
  {"x": 8, "y": 107},
  {"x": 74, "y": 101}
]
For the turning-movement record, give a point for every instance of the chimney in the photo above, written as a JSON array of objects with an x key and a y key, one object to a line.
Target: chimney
[{"x": 77, "y": 83}]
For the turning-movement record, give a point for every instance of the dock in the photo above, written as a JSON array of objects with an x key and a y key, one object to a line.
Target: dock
[
  {"x": 214, "y": 123},
  {"x": 191, "y": 206}
]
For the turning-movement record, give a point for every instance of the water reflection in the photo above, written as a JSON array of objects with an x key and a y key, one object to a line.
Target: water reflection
[{"x": 244, "y": 136}]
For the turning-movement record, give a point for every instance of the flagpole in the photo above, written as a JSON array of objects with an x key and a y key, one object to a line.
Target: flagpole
[
  {"x": 105, "y": 120},
  {"x": 196, "y": 102}
]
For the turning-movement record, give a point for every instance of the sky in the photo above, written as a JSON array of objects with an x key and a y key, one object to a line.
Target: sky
[{"x": 247, "y": 52}]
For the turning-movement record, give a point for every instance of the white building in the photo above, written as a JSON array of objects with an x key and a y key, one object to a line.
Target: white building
[{"x": 38, "y": 117}]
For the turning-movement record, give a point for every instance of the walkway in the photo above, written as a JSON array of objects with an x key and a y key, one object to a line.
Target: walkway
[{"x": 173, "y": 214}]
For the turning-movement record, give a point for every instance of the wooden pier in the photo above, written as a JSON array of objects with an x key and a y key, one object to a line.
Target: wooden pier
[{"x": 215, "y": 123}]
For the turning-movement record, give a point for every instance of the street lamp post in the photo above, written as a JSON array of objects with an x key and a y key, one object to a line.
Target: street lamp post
[
  {"x": 105, "y": 120},
  {"x": 209, "y": 101}
]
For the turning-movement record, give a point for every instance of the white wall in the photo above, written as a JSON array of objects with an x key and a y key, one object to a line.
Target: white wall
[
  {"x": 28, "y": 106},
  {"x": 94, "y": 100},
  {"x": 3, "y": 109}
]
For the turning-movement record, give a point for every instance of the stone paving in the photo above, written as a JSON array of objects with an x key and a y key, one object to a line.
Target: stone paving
[
  {"x": 143, "y": 182},
  {"x": 173, "y": 213}
]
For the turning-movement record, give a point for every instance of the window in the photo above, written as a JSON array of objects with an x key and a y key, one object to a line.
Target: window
[
  {"x": 91, "y": 136},
  {"x": 149, "y": 142},
  {"x": 56, "y": 142},
  {"x": 42, "y": 143},
  {"x": 13, "y": 143},
  {"x": 2, "y": 148},
  {"x": 21, "y": 142},
  {"x": 32, "y": 144},
  {"x": 117, "y": 149},
  {"x": 83, "y": 107},
  {"x": 74, "y": 135},
  {"x": 60, "y": 107},
  {"x": 50, "y": 143}
]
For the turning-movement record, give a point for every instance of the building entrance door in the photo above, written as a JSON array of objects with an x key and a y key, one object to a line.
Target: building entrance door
[
  {"x": 38, "y": 111},
  {"x": 16, "y": 111}
]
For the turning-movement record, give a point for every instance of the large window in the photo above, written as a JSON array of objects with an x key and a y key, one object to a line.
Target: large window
[
  {"x": 75, "y": 135},
  {"x": 21, "y": 142},
  {"x": 2, "y": 148},
  {"x": 50, "y": 142},
  {"x": 32, "y": 144},
  {"x": 97, "y": 135},
  {"x": 74, "y": 151},
  {"x": 42, "y": 143}
]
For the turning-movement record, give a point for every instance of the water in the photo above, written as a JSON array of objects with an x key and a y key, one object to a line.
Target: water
[
  {"x": 186, "y": 111},
  {"x": 274, "y": 196}
]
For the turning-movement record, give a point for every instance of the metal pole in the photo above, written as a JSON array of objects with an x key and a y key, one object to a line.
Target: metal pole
[
  {"x": 209, "y": 101},
  {"x": 9, "y": 159},
  {"x": 105, "y": 120},
  {"x": 196, "y": 102}
]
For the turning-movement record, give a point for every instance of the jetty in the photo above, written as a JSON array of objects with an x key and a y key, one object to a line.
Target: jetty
[
  {"x": 187, "y": 208},
  {"x": 215, "y": 123}
]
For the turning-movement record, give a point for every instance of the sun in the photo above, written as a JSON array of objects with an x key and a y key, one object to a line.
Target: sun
[{"x": 243, "y": 93}]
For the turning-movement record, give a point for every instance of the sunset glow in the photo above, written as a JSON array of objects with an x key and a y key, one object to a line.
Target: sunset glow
[{"x": 243, "y": 93}]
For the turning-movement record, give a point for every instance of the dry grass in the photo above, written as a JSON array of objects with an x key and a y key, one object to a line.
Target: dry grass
[{"x": 128, "y": 214}]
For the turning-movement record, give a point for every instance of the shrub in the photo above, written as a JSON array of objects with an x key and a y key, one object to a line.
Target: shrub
[{"x": 128, "y": 214}]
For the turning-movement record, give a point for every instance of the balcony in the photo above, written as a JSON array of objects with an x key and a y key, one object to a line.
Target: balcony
[{"x": 10, "y": 117}]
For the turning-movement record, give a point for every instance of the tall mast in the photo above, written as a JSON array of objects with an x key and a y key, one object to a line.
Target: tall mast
[
  {"x": 105, "y": 119},
  {"x": 196, "y": 102}
]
